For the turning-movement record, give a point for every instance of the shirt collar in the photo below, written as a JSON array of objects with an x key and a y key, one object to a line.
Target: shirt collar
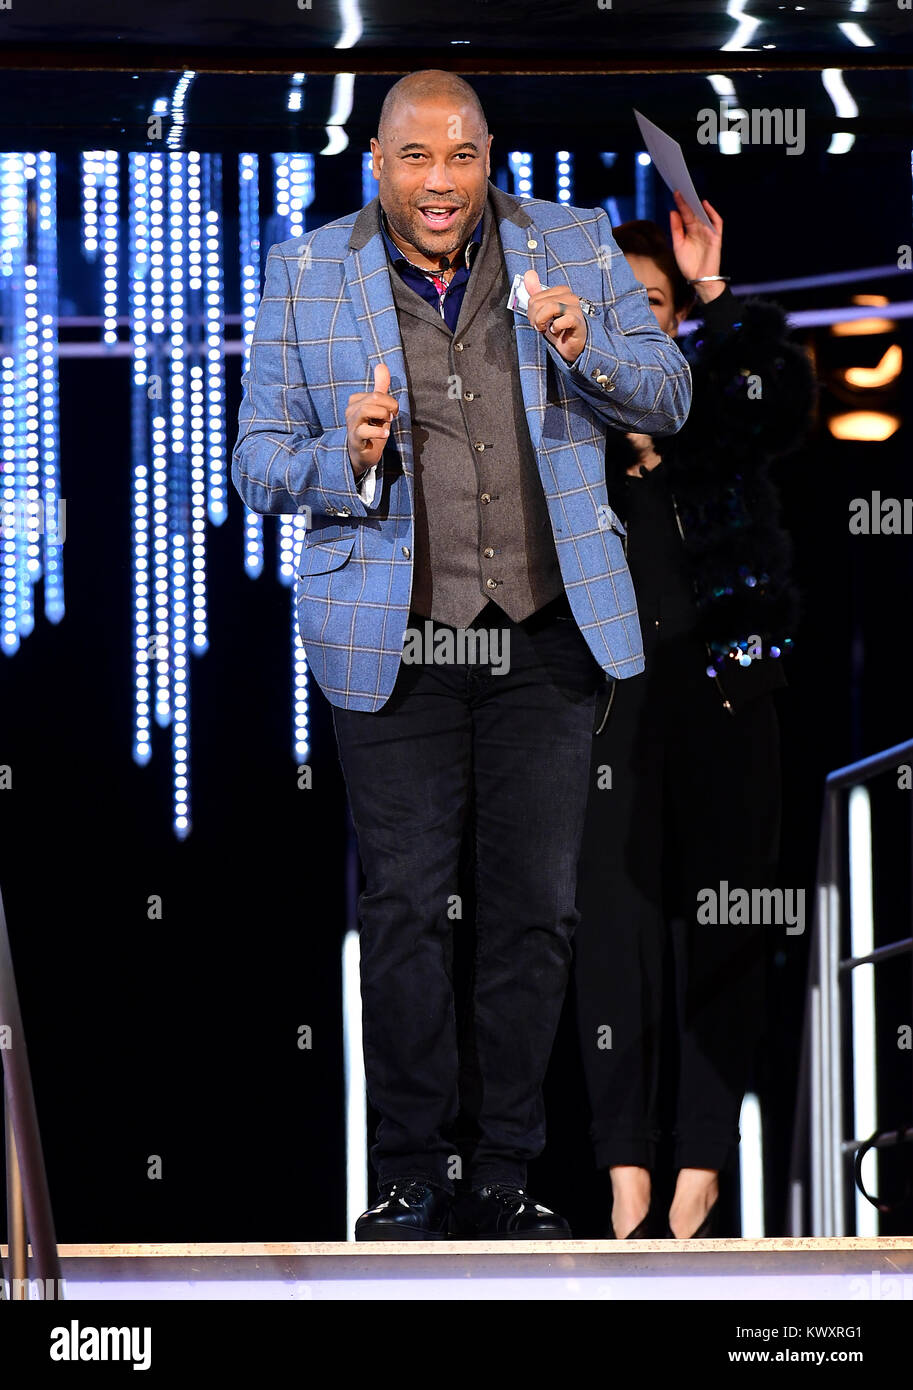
[{"x": 396, "y": 255}]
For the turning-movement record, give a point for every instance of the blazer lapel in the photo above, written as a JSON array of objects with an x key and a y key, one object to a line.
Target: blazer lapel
[
  {"x": 524, "y": 249},
  {"x": 367, "y": 276}
]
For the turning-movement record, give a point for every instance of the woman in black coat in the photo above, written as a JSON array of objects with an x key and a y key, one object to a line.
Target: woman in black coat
[{"x": 685, "y": 778}]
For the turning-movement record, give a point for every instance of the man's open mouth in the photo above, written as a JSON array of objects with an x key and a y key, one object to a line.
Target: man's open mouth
[{"x": 438, "y": 217}]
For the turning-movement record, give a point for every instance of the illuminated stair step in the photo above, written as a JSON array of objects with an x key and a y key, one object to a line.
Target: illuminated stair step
[{"x": 853, "y": 1268}]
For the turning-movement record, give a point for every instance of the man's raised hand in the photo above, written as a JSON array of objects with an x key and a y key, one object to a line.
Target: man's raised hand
[
  {"x": 368, "y": 417},
  {"x": 557, "y": 313}
]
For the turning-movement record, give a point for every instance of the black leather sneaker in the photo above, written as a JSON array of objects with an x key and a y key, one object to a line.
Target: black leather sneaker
[
  {"x": 407, "y": 1210},
  {"x": 501, "y": 1212}
]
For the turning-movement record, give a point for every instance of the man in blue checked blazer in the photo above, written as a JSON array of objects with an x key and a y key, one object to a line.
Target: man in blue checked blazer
[{"x": 448, "y": 451}]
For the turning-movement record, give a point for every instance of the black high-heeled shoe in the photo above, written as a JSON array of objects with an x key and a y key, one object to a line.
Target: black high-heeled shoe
[
  {"x": 644, "y": 1230},
  {"x": 705, "y": 1231}
]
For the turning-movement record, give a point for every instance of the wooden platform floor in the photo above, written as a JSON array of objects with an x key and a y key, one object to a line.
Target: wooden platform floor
[{"x": 855, "y": 1268}]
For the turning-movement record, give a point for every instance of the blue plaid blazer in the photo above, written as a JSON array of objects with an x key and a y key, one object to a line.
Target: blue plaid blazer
[{"x": 327, "y": 317}]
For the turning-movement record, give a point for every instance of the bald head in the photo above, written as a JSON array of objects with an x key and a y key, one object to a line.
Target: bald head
[
  {"x": 431, "y": 161},
  {"x": 429, "y": 85}
]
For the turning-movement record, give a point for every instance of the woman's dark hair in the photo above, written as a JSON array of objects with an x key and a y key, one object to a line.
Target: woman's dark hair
[{"x": 644, "y": 238}]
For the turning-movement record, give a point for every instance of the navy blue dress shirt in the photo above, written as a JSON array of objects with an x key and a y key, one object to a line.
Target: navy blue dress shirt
[{"x": 420, "y": 281}]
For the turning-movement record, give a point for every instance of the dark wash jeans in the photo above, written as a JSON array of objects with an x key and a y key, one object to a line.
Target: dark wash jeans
[{"x": 516, "y": 746}]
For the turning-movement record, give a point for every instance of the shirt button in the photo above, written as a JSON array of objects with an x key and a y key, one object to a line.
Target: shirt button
[
  {"x": 532, "y": 245},
  {"x": 486, "y": 497},
  {"x": 491, "y": 583},
  {"x": 331, "y": 511},
  {"x": 479, "y": 446},
  {"x": 406, "y": 551},
  {"x": 488, "y": 552},
  {"x": 468, "y": 396},
  {"x": 344, "y": 511},
  {"x": 601, "y": 377},
  {"x": 458, "y": 347}
]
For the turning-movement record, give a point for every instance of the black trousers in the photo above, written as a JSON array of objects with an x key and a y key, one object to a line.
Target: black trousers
[
  {"x": 694, "y": 800},
  {"x": 515, "y": 747}
]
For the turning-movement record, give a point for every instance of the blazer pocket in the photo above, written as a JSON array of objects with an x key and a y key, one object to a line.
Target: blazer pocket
[{"x": 318, "y": 556}]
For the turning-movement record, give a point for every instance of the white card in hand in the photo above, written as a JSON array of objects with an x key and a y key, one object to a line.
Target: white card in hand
[
  {"x": 519, "y": 295},
  {"x": 666, "y": 154}
]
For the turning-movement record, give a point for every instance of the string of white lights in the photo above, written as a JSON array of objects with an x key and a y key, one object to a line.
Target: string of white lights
[
  {"x": 52, "y": 515},
  {"x": 30, "y": 570},
  {"x": 14, "y": 607},
  {"x": 31, "y": 511},
  {"x": 564, "y": 168},
  {"x": 92, "y": 169},
  {"x": 214, "y": 295},
  {"x": 644, "y": 190},
  {"x": 159, "y": 444},
  {"x": 180, "y": 725},
  {"x": 249, "y": 235},
  {"x": 179, "y": 520},
  {"x": 521, "y": 168},
  {"x": 196, "y": 404},
  {"x": 178, "y": 365},
  {"x": 295, "y": 92},
  {"x": 298, "y": 194},
  {"x": 249, "y": 249},
  {"x": 249, "y": 246},
  {"x": 139, "y": 253},
  {"x": 9, "y": 620},
  {"x": 301, "y": 190},
  {"x": 109, "y": 237},
  {"x": 294, "y": 192},
  {"x": 178, "y": 102}
]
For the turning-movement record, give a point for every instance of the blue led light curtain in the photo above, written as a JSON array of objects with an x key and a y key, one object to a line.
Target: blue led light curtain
[{"x": 167, "y": 282}]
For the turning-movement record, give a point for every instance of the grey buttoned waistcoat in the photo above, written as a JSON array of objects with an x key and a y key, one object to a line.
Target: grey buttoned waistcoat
[{"x": 482, "y": 529}]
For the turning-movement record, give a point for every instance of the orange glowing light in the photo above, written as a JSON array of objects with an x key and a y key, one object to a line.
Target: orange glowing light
[
  {"x": 868, "y": 425},
  {"x": 869, "y": 378}
]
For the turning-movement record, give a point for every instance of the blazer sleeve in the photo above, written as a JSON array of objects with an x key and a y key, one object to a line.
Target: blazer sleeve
[
  {"x": 630, "y": 372},
  {"x": 284, "y": 460}
]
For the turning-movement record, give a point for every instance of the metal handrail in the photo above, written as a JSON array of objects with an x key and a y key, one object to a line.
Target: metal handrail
[
  {"x": 819, "y": 1146},
  {"x": 28, "y": 1198}
]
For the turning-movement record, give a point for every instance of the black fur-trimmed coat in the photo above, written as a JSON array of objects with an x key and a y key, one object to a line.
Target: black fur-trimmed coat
[{"x": 753, "y": 394}]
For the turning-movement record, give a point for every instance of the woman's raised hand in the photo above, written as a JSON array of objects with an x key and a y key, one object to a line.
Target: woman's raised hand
[{"x": 697, "y": 247}]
